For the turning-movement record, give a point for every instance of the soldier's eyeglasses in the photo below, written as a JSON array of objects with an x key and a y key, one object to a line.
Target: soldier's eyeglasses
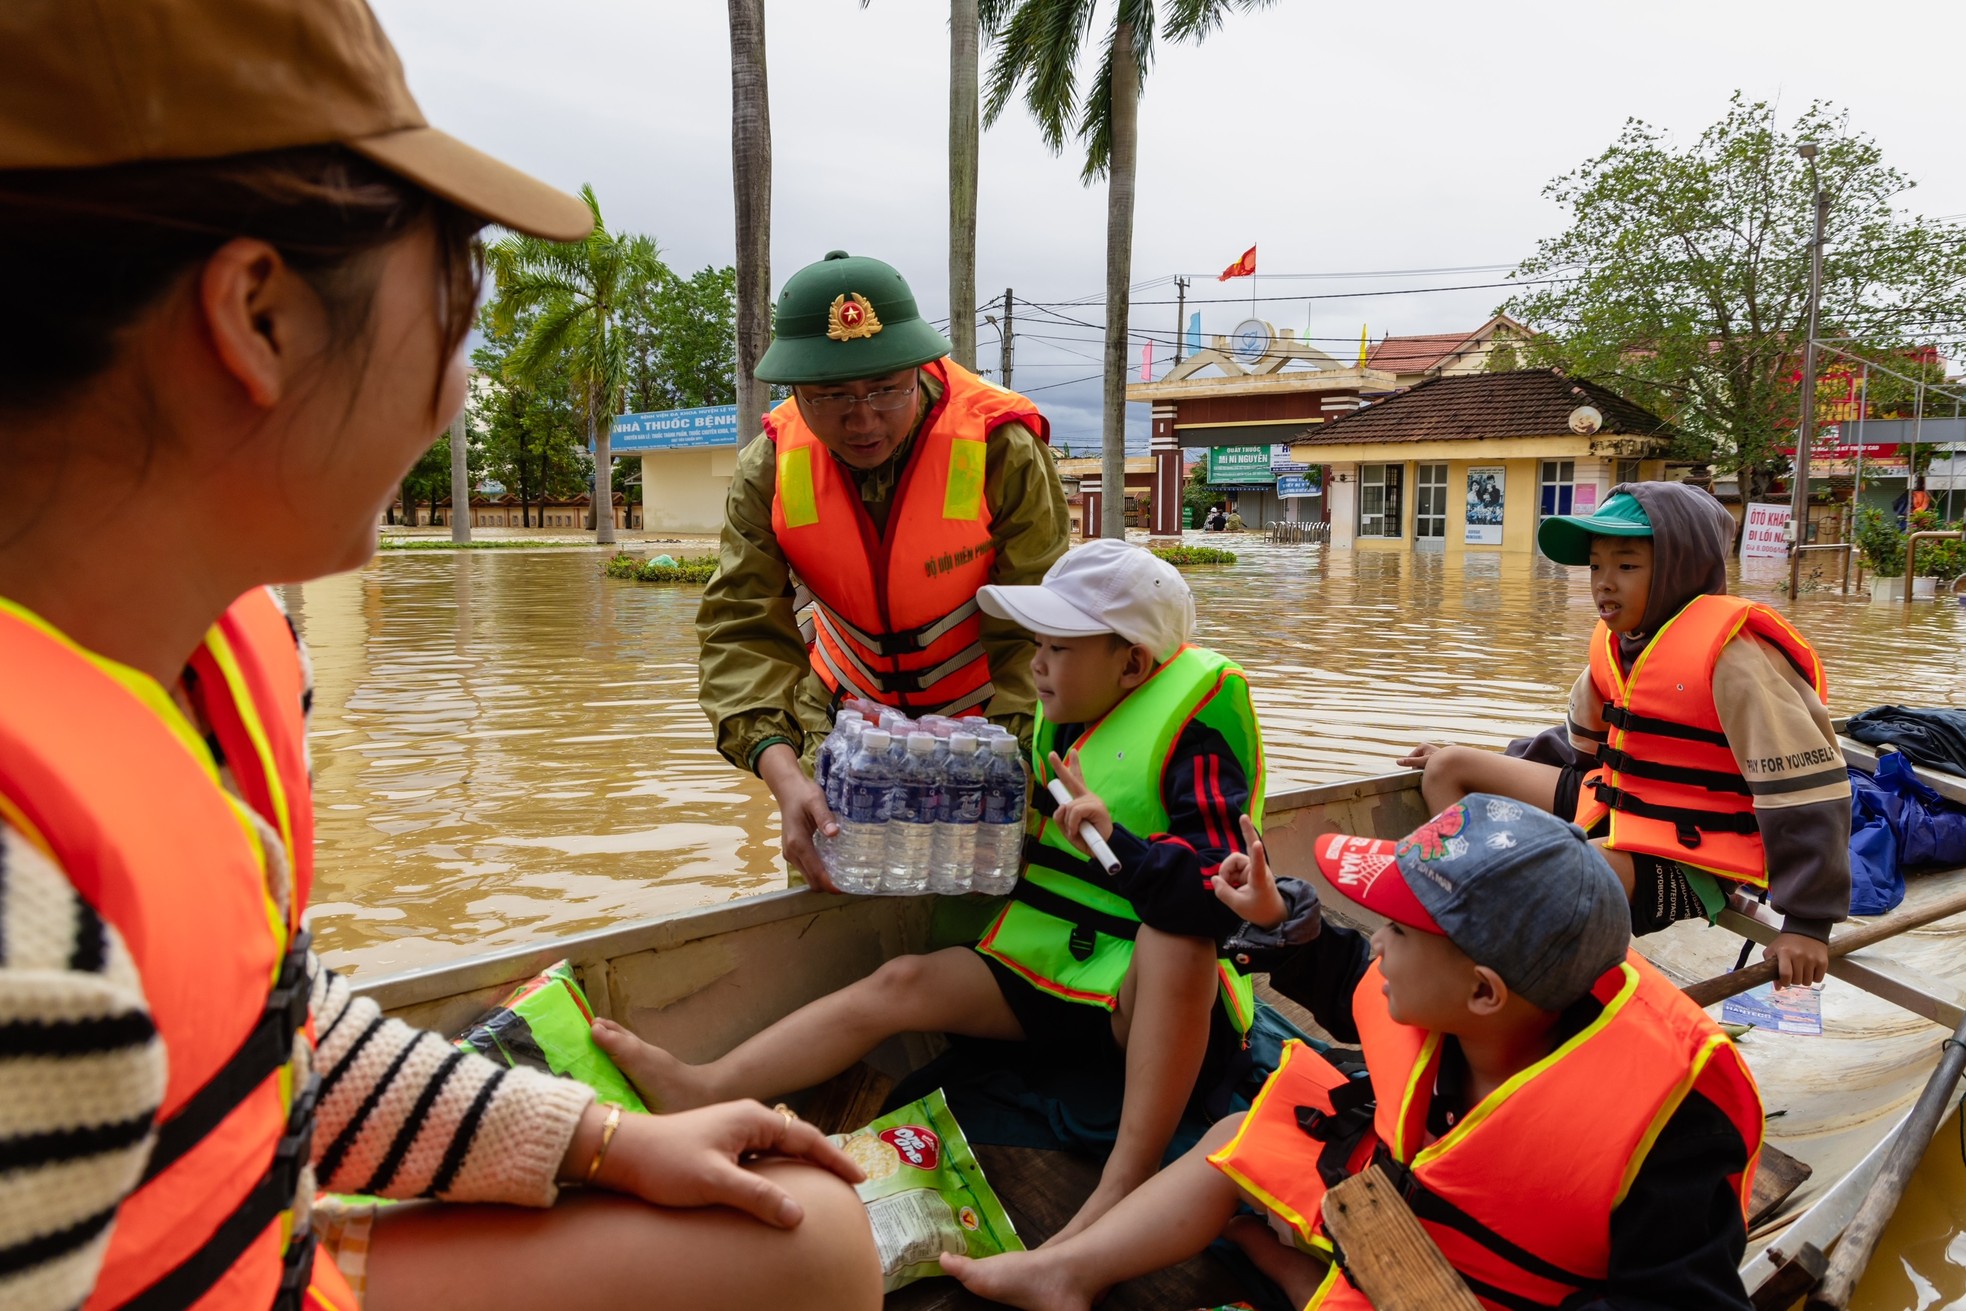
[{"x": 885, "y": 401}]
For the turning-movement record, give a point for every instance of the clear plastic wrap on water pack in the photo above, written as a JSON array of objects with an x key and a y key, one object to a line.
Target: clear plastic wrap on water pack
[
  {"x": 930, "y": 806},
  {"x": 925, "y": 1194}
]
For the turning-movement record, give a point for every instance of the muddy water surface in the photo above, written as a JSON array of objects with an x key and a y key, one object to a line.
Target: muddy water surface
[{"x": 507, "y": 744}]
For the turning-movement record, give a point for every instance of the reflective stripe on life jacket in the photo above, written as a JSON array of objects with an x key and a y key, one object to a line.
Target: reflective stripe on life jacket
[
  {"x": 1666, "y": 777},
  {"x": 101, "y": 769},
  {"x": 1066, "y": 929},
  {"x": 893, "y": 615},
  {"x": 1519, "y": 1232}
]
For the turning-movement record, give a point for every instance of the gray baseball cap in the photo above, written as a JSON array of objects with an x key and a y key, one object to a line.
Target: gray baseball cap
[{"x": 1515, "y": 888}]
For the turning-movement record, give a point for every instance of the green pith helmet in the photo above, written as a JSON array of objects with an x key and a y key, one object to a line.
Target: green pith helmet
[{"x": 845, "y": 318}]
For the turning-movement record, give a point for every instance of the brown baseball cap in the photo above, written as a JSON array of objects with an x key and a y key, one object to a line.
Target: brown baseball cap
[{"x": 90, "y": 83}]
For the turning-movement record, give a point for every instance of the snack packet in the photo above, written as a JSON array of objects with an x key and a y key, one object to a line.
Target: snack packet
[
  {"x": 546, "y": 1024},
  {"x": 925, "y": 1193}
]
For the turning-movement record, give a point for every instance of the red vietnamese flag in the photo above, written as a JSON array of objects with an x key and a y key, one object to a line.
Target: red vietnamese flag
[{"x": 1242, "y": 268}]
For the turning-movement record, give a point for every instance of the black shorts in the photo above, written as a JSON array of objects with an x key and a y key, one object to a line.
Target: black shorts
[
  {"x": 1569, "y": 785},
  {"x": 1661, "y": 895},
  {"x": 1068, "y": 1028}
]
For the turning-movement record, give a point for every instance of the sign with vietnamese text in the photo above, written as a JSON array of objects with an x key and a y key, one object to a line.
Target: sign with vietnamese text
[
  {"x": 1281, "y": 460},
  {"x": 1295, "y": 484},
  {"x": 675, "y": 430},
  {"x": 1239, "y": 464},
  {"x": 1765, "y": 532}
]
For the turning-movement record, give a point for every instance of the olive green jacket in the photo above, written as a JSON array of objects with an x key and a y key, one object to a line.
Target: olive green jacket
[{"x": 756, "y": 683}]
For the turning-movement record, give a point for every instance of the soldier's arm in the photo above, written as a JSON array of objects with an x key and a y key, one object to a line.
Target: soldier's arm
[
  {"x": 752, "y": 656},
  {"x": 1029, "y": 528}
]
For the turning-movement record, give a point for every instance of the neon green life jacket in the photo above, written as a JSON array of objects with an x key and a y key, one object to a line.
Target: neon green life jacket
[{"x": 1066, "y": 929}]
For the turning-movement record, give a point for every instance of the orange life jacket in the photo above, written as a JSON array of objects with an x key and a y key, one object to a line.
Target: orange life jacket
[
  {"x": 1666, "y": 776},
  {"x": 1518, "y": 1231},
  {"x": 100, "y": 770},
  {"x": 894, "y": 615}
]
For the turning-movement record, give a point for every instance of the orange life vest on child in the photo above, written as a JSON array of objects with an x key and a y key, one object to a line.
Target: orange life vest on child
[
  {"x": 1518, "y": 1231},
  {"x": 1666, "y": 776},
  {"x": 894, "y": 615},
  {"x": 100, "y": 770}
]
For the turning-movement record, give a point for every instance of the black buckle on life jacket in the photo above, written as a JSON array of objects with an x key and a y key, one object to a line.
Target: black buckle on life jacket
[
  {"x": 1340, "y": 1129},
  {"x": 1082, "y": 943},
  {"x": 1689, "y": 837},
  {"x": 296, "y": 1272}
]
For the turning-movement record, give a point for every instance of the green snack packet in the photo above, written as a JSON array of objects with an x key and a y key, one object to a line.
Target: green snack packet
[
  {"x": 925, "y": 1193},
  {"x": 546, "y": 1024}
]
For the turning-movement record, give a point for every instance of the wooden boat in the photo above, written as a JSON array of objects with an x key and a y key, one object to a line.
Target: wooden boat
[{"x": 701, "y": 981}]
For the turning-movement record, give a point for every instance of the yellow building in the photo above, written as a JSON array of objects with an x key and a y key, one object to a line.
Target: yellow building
[{"x": 1474, "y": 463}]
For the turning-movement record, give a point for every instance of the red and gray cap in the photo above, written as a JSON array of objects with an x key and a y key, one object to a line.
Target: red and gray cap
[{"x": 1515, "y": 888}]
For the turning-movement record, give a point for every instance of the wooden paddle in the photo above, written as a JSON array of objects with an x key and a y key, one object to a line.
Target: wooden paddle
[
  {"x": 1720, "y": 987},
  {"x": 1387, "y": 1253},
  {"x": 1860, "y": 1237}
]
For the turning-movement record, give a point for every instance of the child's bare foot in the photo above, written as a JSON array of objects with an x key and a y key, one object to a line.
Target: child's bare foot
[
  {"x": 1035, "y": 1281},
  {"x": 1297, "y": 1274},
  {"x": 666, "y": 1083}
]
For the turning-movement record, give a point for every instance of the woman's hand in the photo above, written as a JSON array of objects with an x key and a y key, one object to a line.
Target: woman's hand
[
  {"x": 693, "y": 1158},
  {"x": 1800, "y": 960},
  {"x": 802, "y": 812},
  {"x": 1084, "y": 808},
  {"x": 1245, "y": 885},
  {"x": 1417, "y": 757}
]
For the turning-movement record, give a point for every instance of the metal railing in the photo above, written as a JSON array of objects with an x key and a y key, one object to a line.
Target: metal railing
[
  {"x": 1298, "y": 533},
  {"x": 1848, "y": 549},
  {"x": 1911, "y": 555}
]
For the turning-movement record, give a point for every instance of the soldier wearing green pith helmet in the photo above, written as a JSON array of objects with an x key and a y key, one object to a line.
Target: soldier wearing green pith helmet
[{"x": 882, "y": 494}]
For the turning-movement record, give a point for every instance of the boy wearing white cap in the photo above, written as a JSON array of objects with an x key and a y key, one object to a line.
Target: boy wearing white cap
[{"x": 1158, "y": 744}]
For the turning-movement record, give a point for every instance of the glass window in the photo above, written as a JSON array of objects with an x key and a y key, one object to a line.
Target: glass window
[
  {"x": 1624, "y": 471},
  {"x": 1430, "y": 501},
  {"x": 1378, "y": 500},
  {"x": 1559, "y": 484}
]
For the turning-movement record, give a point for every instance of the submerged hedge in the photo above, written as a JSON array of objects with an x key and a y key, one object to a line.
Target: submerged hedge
[
  {"x": 1183, "y": 557},
  {"x": 662, "y": 568}
]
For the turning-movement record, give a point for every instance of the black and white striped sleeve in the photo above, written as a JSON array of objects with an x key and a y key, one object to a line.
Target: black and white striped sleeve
[{"x": 81, "y": 1076}]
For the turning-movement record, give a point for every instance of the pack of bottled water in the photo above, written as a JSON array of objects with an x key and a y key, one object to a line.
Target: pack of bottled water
[{"x": 929, "y": 806}]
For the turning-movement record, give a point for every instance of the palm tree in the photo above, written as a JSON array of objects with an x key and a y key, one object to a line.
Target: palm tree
[
  {"x": 750, "y": 152},
  {"x": 575, "y": 293},
  {"x": 1038, "y": 43}
]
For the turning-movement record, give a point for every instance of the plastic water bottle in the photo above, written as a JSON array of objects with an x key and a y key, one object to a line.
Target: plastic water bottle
[
  {"x": 911, "y": 817},
  {"x": 834, "y": 752},
  {"x": 857, "y": 857},
  {"x": 1000, "y": 832},
  {"x": 958, "y": 810}
]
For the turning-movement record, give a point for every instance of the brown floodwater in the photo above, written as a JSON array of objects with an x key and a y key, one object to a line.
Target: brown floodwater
[{"x": 507, "y": 744}]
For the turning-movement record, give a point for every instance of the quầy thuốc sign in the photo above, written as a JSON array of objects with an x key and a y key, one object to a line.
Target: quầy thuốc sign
[{"x": 1240, "y": 464}]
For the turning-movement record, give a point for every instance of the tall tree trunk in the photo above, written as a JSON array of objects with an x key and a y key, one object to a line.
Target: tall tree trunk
[
  {"x": 1119, "y": 274},
  {"x": 601, "y": 436},
  {"x": 409, "y": 503},
  {"x": 460, "y": 481},
  {"x": 962, "y": 180},
  {"x": 750, "y": 150}
]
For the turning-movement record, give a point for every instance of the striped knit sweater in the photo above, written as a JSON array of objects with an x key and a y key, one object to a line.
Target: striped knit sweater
[{"x": 402, "y": 1113}]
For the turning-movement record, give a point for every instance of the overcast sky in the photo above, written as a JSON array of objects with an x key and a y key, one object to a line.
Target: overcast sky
[{"x": 1340, "y": 141}]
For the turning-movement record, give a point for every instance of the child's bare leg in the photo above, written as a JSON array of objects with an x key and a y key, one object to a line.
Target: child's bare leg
[
  {"x": 599, "y": 1250},
  {"x": 1621, "y": 864},
  {"x": 1296, "y": 1273},
  {"x": 1453, "y": 772},
  {"x": 1166, "y": 1220},
  {"x": 949, "y": 991},
  {"x": 1162, "y": 1022}
]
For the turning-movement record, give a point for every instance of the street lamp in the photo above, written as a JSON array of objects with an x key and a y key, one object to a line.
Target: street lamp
[
  {"x": 1805, "y": 437},
  {"x": 991, "y": 319}
]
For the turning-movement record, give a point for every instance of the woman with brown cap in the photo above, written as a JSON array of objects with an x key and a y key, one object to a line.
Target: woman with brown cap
[{"x": 242, "y": 270}]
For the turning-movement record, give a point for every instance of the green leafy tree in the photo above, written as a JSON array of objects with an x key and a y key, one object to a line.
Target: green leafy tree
[
  {"x": 1038, "y": 45},
  {"x": 429, "y": 479},
  {"x": 572, "y": 297},
  {"x": 1682, "y": 279},
  {"x": 529, "y": 433},
  {"x": 682, "y": 344}
]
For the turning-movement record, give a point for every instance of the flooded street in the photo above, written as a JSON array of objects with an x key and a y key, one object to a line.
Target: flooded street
[{"x": 507, "y": 745}]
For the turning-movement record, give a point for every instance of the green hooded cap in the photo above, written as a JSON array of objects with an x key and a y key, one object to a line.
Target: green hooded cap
[{"x": 846, "y": 318}]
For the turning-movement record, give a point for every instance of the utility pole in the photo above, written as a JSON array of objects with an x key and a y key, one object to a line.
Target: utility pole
[
  {"x": 1180, "y": 318},
  {"x": 1806, "y": 433},
  {"x": 1009, "y": 341}
]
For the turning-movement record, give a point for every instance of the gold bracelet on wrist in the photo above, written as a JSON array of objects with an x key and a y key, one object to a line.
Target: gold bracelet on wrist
[{"x": 608, "y": 1127}]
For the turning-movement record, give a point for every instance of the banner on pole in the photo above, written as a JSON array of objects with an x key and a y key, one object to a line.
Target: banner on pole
[{"x": 1765, "y": 532}]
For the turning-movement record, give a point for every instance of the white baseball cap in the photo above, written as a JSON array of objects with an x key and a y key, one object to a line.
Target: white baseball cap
[{"x": 1105, "y": 586}]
